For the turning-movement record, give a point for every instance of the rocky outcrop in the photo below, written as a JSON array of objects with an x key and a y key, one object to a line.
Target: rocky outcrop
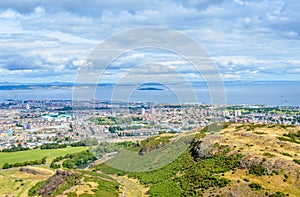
[
  {"x": 30, "y": 171},
  {"x": 54, "y": 182},
  {"x": 202, "y": 149},
  {"x": 205, "y": 148},
  {"x": 147, "y": 149}
]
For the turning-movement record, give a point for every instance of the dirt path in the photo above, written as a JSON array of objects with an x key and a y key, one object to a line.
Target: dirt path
[{"x": 132, "y": 188}]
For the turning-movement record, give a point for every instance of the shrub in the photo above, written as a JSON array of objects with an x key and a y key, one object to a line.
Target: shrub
[
  {"x": 255, "y": 186},
  {"x": 32, "y": 191},
  {"x": 297, "y": 161},
  {"x": 268, "y": 154},
  {"x": 278, "y": 194},
  {"x": 258, "y": 170}
]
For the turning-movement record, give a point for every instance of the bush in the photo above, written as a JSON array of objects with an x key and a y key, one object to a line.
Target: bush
[
  {"x": 54, "y": 165},
  {"x": 268, "y": 154},
  {"x": 70, "y": 164},
  {"x": 6, "y": 166},
  {"x": 287, "y": 154},
  {"x": 278, "y": 194},
  {"x": 258, "y": 170},
  {"x": 255, "y": 186},
  {"x": 297, "y": 161}
]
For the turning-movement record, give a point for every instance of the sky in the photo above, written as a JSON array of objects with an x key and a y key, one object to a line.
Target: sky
[{"x": 47, "y": 41}]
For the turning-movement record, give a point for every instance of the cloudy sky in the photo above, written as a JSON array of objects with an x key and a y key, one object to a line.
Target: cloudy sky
[{"x": 46, "y": 41}]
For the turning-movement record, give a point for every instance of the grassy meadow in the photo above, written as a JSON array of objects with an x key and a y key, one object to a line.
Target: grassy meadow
[{"x": 35, "y": 154}]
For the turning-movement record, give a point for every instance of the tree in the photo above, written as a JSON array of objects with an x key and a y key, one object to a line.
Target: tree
[
  {"x": 6, "y": 166},
  {"x": 70, "y": 164},
  {"x": 44, "y": 160}
]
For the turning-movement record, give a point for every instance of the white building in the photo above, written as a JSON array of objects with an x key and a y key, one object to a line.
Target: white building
[{"x": 237, "y": 113}]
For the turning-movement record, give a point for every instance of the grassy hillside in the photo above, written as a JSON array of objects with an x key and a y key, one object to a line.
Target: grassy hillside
[
  {"x": 16, "y": 183},
  {"x": 240, "y": 160},
  {"x": 246, "y": 160}
]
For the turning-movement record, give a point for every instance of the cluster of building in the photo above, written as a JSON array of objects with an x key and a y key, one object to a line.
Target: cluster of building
[{"x": 33, "y": 123}]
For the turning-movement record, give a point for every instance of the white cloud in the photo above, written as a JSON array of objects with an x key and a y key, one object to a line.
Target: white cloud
[{"x": 245, "y": 38}]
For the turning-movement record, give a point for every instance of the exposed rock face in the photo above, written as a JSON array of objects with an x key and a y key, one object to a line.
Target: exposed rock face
[
  {"x": 205, "y": 148},
  {"x": 148, "y": 149},
  {"x": 249, "y": 161},
  {"x": 271, "y": 164},
  {"x": 202, "y": 149},
  {"x": 55, "y": 181},
  {"x": 30, "y": 171}
]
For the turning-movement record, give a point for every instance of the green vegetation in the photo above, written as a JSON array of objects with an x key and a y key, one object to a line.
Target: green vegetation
[
  {"x": 77, "y": 144},
  {"x": 297, "y": 161},
  {"x": 105, "y": 147},
  {"x": 287, "y": 154},
  {"x": 90, "y": 142},
  {"x": 258, "y": 170},
  {"x": 36, "y": 154},
  {"x": 72, "y": 181},
  {"x": 153, "y": 143},
  {"x": 188, "y": 175},
  {"x": 85, "y": 142},
  {"x": 116, "y": 120},
  {"x": 251, "y": 127},
  {"x": 269, "y": 154},
  {"x": 54, "y": 165},
  {"x": 104, "y": 185},
  {"x": 24, "y": 163},
  {"x": 215, "y": 127},
  {"x": 74, "y": 160},
  {"x": 104, "y": 120},
  {"x": 263, "y": 109},
  {"x": 278, "y": 194},
  {"x": 117, "y": 128},
  {"x": 255, "y": 186},
  {"x": 259, "y": 132},
  {"x": 15, "y": 148},
  {"x": 195, "y": 175},
  {"x": 32, "y": 191},
  {"x": 291, "y": 137},
  {"x": 52, "y": 146}
]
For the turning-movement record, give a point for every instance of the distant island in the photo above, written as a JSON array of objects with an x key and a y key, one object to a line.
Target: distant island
[{"x": 150, "y": 88}]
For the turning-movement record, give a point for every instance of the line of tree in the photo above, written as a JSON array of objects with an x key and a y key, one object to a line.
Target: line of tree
[
  {"x": 15, "y": 148},
  {"x": 77, "y": 144},
  {"x": 52, "y": 146},
  {"x": 24, "y": 163}
]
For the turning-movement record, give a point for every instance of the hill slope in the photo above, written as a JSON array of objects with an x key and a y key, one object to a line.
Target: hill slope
[{"x": 240, "y": 160}]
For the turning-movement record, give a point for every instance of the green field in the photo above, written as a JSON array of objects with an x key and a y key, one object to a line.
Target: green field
[{"x": 36, "y": 154}]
